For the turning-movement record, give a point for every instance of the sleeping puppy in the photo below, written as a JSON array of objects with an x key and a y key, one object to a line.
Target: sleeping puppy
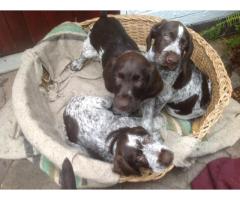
[
  {"x": 126, "y": 72},
  {"x": 113, "y": 138},
  {"x": 187, "y": 90}
]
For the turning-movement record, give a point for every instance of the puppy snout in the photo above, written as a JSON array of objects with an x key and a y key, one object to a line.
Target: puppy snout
[
  {"x": 123, "y": 101},
  {"x": 165, "y": 157},
  {"x": 172, "y": 58}
]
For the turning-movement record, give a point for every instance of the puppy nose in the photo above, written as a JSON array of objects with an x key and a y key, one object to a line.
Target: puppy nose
[
  {"x": 165, "y": 157},
  {"x": 172, "y": 58},
  {"x": 122, "y": 102}
]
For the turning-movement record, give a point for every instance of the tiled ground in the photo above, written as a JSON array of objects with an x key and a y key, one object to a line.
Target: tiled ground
[{"x": 22, "y": 174}]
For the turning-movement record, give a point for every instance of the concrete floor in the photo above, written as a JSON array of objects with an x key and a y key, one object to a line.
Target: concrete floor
[{"x": 22, "y": 174}]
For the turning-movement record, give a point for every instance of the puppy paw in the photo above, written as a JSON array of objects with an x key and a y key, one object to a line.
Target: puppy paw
[
  {"x": 76, "y": 65},
  {"x": 107, "y": 102}
]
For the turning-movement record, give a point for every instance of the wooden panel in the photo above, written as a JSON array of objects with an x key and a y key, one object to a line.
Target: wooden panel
[
  {"x": 22, "y": 29},
  {"x": 37, "y": 25},
  {"x": 83, "y": 15},
  {"x": 54, "y": 18},
  {"x": 6, "y": 42},
  {"x": 18, "y": 29}
]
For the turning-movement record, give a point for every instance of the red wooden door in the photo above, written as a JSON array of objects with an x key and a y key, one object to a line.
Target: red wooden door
[{"x": 22, "y": 29}]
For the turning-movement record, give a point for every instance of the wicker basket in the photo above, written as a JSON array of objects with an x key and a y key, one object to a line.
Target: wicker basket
[
  {"x": 204, "y": 56},
  {"x": 138, "y": 27},
  {"x": 236, "y": 94}
]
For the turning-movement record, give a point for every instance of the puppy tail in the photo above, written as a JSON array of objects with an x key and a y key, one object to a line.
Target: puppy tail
[
  {"x": 67, "y": 179},
  {"x": 103, "y": 14}
]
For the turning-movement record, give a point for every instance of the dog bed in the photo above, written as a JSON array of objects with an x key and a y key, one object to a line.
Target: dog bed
[{"x": 42, "y": 87}]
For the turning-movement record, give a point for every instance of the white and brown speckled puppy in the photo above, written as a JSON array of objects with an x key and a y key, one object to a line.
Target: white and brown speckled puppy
[
  {"x": 114, "y": 138},
  {"x": 187, "y": 90}
]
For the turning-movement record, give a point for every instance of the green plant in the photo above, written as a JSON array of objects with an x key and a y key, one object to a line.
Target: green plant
[
  {"x": 233, "y": 41},
  {"x": 232, "y": 21}
]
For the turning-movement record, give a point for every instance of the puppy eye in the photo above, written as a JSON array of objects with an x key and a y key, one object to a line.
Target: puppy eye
[
  {"x": 166, "y": 36},
  {"x": 136, "y": 78},
  {"x": 120, "y": 75},
  {"x": 139, "y": 153}
]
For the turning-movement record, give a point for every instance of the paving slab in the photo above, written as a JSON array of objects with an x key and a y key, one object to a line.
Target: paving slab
[
  {"x": 7, "y": 86},
  {"x": 25, "y": 175},
  {"x": 4, "y": 167},
  {"x": 10, "y": 63}
]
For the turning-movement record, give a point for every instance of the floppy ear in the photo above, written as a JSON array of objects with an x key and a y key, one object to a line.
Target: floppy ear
[
  {"x": 155, "y": 84},
  {"x": 71, "y": 127},
  {"x": 186, "y": 73},
  {"x": 67, "y": 176},
  {"x": 108, "y": 75},
  {"x": 189, "y": 50},
  {"x": 153, "y": 32},
  {"x": 139, "y": 131},
  {"x": 115, "y": 136},
  {"x": 121, "y": 167}
]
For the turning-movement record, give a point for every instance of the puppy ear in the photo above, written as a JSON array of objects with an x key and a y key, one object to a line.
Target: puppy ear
[
  {"x": 139, "y": 130},
  {"x": 153, "y": 32},
  {"x": 67, "y": 176},
  {"x": 121, "y": 167},
  {"x": 155, "y": 84},
  {"x": 186, "y": 73},
  {"x": 189, "y": 50},
  {"x": 115, "y": 135},
  {"x": 108, "y": 74},
  {"x": 71, "y": 127}
]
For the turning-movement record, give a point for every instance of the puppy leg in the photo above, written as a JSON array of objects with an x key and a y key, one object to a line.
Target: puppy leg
[
  {"x": 88, "y": 52},
  {"x": 163, "y": 98},
  {"x": 148, "y": 114}
]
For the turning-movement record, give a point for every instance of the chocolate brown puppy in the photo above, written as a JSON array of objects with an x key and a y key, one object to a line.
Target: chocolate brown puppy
[{"x": 126, "y": 72}]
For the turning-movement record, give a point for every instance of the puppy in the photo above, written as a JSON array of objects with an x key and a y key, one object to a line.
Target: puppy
[
  {"x": 186, "y": 92},
  {"x": 126, "y": 72},
  {"x": 113, "y": 138}
]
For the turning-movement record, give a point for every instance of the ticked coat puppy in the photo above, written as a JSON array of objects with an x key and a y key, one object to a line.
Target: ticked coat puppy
[
  {"x": 114, "y": 138},
  {"x": 187, "y": 90}
]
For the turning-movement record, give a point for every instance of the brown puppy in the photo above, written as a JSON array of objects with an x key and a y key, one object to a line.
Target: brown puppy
[{"x": 127, "y": 73}]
